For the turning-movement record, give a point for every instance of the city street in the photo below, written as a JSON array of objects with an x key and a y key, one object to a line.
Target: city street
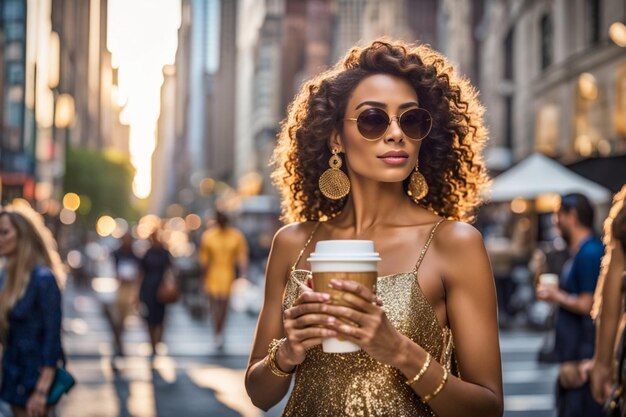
[{"x": 192, "y": 379}]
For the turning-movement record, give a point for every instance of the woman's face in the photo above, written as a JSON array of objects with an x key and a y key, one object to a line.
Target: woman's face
[
  {"x": 392, "y": 157},
  {"x": 8, "y": 236}
]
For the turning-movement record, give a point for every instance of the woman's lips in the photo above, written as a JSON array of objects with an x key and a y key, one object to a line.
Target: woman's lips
[
  {"x": 394, "y": 160},
  {"x": 394, "y": 157}
]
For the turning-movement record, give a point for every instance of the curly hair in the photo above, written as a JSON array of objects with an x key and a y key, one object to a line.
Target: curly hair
[
  {"x": 450, "y": 158},
  {"x": 614, "y": 229}
]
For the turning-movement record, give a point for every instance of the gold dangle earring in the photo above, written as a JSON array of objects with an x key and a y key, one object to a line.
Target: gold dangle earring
[
  {"x": 418, "y": 187},
  {"x": 334, "y": 183}
]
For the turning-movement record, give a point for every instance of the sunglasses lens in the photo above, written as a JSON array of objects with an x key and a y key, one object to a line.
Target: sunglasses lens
[
  {"x": 372, "y": 123},
  {"x": 416, "y": 123}
]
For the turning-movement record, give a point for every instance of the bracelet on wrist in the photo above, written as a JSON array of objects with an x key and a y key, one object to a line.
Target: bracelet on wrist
[
  {"x": 421, "y": 372},
  {"x": 270, "y": 359},
  {"x": 439, "y": 388}
]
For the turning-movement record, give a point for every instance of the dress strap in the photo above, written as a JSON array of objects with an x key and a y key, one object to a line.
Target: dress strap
[
  {"x": 425, "y": 249},
  {"x": 293, "y": 268}
]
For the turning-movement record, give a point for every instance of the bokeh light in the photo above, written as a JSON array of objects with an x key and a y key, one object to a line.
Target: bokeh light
[
  {"x": 71, "y": 201},
  {"x": 105, "y": 225},
  {"x": 67, "y": 216}
]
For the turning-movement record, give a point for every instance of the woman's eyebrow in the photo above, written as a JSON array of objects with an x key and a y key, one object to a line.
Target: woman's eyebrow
[
  {"x": 384, "y": 106},
  {"x": 407, "y": 105},
  {"x": 371, "y": 103}
]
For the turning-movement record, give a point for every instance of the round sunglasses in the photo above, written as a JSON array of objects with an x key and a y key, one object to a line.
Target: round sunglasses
[{"x": 373, "y": 123}]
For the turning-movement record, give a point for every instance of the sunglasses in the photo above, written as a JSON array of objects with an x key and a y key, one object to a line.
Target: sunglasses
[{"x": 373, "y": 123}]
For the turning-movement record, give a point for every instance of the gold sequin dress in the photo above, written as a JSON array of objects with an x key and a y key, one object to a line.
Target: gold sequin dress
[{"x": 355, "y": 384}]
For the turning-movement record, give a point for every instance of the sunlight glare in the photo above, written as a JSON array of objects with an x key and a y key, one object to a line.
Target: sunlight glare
[{"x": 142, "y": 37}]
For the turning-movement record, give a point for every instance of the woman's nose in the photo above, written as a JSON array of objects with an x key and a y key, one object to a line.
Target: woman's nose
[{"x": 394, "y": 132}]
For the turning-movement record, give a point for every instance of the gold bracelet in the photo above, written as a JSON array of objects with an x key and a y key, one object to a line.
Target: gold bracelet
[
  {"x": 439, "y": 388},
  {"x": 270, "y": 359},
  {"x": 421, "y": 372}
]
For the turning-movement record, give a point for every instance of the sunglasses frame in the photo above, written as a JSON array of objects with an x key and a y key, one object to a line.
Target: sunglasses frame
[{"x": 391, "y": 118}]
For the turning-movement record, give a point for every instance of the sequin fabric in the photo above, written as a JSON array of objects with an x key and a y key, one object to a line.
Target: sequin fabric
[{"x": 354, "y": 384}]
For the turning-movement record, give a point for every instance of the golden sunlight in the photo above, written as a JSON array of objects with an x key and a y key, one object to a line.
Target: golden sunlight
[{"x": 142, "y": 37}]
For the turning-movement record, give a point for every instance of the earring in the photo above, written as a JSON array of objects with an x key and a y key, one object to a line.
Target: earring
[
  {"x": 334, "y": 183},
  {"x": 418, "y": 187}
]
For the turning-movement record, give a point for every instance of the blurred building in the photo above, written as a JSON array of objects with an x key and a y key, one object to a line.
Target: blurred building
[
  {"x": 58, "y": 87},
  {"x": 163, "y": 180},
  {"x": 86, "y": 74},
  {"x": 26, "y": 102},
  {"x": 553, "y": 80}
]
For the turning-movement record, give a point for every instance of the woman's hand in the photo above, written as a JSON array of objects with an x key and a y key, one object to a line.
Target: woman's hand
[
  {"x": 36, "y": 404},
  {"x": 306, "y": 324},
  {"x": 551, "y": 294},
  {"x": 601, "y": 382},
  {"x": 375, "y": 334}
]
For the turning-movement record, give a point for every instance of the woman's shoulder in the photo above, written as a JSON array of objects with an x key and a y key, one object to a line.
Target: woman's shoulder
[
  {"x": 294, "y": 234},
  {"x": 42, "y": 273},
  {"x": 457, "y": 237},
  {"x": 43, "y": 278}
]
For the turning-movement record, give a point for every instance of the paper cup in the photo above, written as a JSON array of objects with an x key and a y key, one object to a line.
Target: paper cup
[
  {"x": 549, "y": 281},
  {"x": 353, "y": 260}
]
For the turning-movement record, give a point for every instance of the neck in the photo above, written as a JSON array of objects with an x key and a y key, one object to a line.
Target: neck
[
  {"x": 578, "y": 235},
  {"x": 372, "y": 203}
]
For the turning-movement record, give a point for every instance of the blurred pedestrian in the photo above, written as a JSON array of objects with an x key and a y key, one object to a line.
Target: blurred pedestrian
[
  {"x": 224, "y": 255},
  {"x": 155, "y": 264},
  {"x": 127, "y": 272},
  {"x": 30, "y": 311},
  {"x": 574, "y": 329},
  {"x": 384, "y": 146},
  {"x": 609, "y": 310}
]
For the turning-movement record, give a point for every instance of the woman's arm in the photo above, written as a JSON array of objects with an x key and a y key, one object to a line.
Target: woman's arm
[
  {"x": 472, "y": 316},
  {"x": 49, "y": 298},
  {"x": 608, "y": 321},
  {"x": 264, "y": 388},
  {"x": 242, "y": 257}
]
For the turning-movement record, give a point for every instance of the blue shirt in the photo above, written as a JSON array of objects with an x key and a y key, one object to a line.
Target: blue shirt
[
  {"x": 34, "y": 337},
  {"x": 575, "y": 333}
]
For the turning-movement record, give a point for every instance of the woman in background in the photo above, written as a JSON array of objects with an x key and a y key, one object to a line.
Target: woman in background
[
  {"x": 608, "y": 306},
  {"x": 222, "y": 250},
  {"x": 30, "y": 311},
  {"x": 155, "y": 264}
]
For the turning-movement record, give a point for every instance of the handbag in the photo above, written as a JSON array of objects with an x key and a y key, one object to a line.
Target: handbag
[
  {"x": 168, "y": 291},
  {"x": 62, "y": 383}
]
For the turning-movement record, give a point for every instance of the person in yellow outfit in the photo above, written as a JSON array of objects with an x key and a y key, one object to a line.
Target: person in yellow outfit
[{"x": 222, "y": 249}]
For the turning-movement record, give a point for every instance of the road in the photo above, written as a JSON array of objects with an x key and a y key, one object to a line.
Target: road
[{"x": 190, "y": 378}]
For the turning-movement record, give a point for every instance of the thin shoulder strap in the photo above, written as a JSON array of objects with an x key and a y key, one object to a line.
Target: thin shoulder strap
[
  {"x": 425, "y": 249},
  {"x": 293, "y": 268}
]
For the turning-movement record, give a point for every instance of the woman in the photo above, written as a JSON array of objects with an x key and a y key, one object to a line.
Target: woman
[
  {"x": 403, "y": 133},
  {"x": 608, "y": 303},
  {"x": 155, "y": 264},
  {"x": 222, "y": 249},
  {"x": 30, "y": 311},
  {"x": 126, "y": 271}
]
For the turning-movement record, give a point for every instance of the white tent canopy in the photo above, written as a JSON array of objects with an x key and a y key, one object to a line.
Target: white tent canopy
[{"x": 538, "y": 175}]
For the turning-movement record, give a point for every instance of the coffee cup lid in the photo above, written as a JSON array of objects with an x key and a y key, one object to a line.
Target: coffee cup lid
[{"x": 338, "y": 250}]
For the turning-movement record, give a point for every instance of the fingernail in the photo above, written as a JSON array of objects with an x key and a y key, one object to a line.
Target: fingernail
[
  {"x": 335, "y": 282},
  {"x": 325, "y": 297},
  {"x": 330, "y": 320}
]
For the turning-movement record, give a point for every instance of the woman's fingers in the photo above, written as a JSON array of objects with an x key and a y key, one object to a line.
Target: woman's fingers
[
  {"x": 311, "y": 297},
  {"x": 355, "y": 288}
]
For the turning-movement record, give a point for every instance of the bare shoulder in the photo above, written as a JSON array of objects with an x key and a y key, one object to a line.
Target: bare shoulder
[
  {"x": 293, "y": 234},
  {"x": 456, "y": 237},
  {"x": 463, "y": 253}
]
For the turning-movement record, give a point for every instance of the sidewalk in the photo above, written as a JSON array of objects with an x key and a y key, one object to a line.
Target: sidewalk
[{"x": 189, "y": 379}]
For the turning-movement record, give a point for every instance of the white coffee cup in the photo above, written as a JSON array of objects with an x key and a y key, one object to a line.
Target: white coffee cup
[
  {"x": 343, "y": 259},
  {"x": 549, "y": 280}
]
